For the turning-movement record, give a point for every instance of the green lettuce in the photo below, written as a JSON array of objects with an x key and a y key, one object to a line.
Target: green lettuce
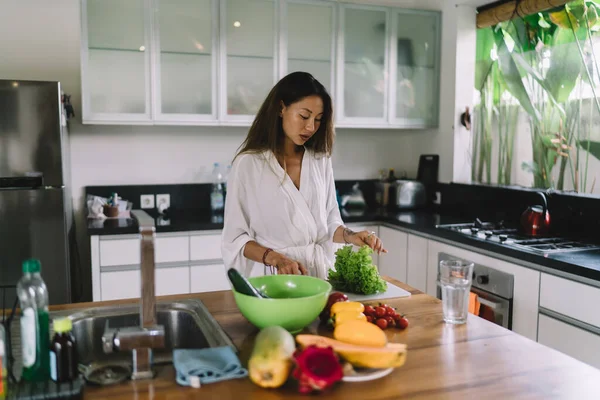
[{"x": 355, "y": 273}]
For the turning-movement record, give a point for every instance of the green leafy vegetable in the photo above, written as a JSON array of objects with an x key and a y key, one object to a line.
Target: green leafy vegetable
[{"x": 355, "y": 272}]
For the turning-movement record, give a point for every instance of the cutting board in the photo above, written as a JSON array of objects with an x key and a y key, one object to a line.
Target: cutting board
[{"x": 391, "y": 292}]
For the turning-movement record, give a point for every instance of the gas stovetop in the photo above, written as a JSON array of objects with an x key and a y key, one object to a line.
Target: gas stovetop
[{"x": 510, "y": 236}]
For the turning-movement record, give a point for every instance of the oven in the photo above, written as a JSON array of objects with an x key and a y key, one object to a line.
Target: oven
[{"x": 491, "y": 292}]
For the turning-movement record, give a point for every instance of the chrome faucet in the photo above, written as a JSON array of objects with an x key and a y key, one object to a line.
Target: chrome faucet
[{"x": 148, "y": 336}]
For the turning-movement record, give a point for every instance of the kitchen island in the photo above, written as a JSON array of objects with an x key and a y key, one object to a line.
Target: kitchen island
[{"x": 478, "y": 360}]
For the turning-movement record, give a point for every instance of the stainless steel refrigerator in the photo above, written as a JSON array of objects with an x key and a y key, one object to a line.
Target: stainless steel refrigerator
[{"x": 36, "y": 214}]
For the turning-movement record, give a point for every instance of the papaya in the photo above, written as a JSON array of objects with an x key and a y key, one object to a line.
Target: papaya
[
  {"x": 392, "y": 355},
  {"x": 360, "y": 332},
  {"x": 271, "y": 360}
]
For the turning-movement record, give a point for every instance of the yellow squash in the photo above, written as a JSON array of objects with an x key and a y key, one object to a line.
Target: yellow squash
[
  {"x": 271, "y": 359},
  {"x": 393, "y": 355},
  {"x": 360, "y": 332},
  {"x": 344, "y": 306},
  {"x": 346, "y": 316}
]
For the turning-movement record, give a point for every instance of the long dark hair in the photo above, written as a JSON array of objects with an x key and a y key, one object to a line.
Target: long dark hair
[{"x": 266, "y": 132}]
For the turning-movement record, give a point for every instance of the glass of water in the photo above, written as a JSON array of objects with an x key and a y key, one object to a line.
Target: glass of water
[{"x": 455, "y": 281}]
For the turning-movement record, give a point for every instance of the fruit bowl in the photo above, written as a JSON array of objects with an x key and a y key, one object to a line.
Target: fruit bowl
[{"x": 294, "y": 302}]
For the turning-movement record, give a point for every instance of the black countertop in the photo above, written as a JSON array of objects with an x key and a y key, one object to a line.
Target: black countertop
[{"x": 581, "y": 263}]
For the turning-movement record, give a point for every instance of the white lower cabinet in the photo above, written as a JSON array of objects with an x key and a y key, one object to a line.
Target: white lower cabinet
[
  {"x": 573, "y": 299},
  {"x": 205, "y": 246},
  {"x": 208, "y": 278},
  {"x": 174, "y": 280},
  {"x": 571, "y": 340},
  {"x": 393, "y": 263},
  {"x": 416, "y": 262},
  {"x": 116, "y": 285},
  {"x": 182, "y": 264}
]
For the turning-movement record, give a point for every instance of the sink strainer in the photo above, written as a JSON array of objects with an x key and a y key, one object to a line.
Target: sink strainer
[{"x": 105, "y": 374}]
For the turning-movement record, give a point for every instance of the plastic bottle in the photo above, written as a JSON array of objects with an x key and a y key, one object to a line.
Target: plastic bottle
[
  {"x": 217, "y": 196},
  {"x": 63, "y": 352},
  {"x": 35, "y": 335},
  {"x": 225, "y": 179}
]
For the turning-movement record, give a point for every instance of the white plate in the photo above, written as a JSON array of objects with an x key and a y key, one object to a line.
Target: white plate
[{"x": 363, "y": 375}]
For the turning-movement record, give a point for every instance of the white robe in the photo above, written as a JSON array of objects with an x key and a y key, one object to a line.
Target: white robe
[{"x": 264, "y": 205}]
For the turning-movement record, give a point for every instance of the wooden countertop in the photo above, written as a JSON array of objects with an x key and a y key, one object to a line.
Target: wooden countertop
[{"x": 478, "y": 360}]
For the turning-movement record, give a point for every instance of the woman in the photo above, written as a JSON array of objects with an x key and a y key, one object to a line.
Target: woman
[{"x": 281, "y": 210}]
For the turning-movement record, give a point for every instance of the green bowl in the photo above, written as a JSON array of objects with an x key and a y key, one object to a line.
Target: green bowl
[{"x": 296, "y": 301}]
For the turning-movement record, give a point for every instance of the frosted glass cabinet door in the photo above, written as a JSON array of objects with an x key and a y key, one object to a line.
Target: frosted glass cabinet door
[
  {"x": 116, "y": 60},
  {"x": 249, "y": 30},
  {"x": 417, "y": 51},
  {"x": 364, "y": 62},
  {"x": 310, "y": 35},
  {"x": 185, "y": 65}
]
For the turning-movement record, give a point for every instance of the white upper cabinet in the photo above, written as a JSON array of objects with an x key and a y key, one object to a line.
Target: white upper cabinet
[
  {"x": 115, "y": 61},
  {"x": 213, "y": 62},
  {"x": 185, "y": 81},
  {"x": 309, "y": 38},
  {"x": 363, "y": 40},
  {"x": 415, "y": 54},
  {"x": 248, "y": 29}
]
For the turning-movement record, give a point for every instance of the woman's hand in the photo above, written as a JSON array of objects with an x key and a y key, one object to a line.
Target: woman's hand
[
  {"x": 365, "y": 237},
  {"x": 287, "y": 266}
]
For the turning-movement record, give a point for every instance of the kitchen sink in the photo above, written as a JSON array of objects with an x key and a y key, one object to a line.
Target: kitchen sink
[{"x": 187, "y": 324}]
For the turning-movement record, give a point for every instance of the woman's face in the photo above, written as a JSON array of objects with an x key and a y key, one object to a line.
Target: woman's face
[{"x": 302, "y": 119}]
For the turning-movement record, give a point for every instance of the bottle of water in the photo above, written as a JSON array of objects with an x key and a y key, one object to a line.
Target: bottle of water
[
  {"x": 217, "y": 196},
  {"x": 35, "y": 335},
  {"x": 225, "y": 178}
]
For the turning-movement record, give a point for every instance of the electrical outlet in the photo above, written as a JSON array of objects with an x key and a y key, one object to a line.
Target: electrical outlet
[
  {"x": 147, "y": 201},
  {"x": 163, "y": 201}
]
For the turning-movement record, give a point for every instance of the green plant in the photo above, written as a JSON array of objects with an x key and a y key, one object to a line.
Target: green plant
[{"x": 541, "y": 59}]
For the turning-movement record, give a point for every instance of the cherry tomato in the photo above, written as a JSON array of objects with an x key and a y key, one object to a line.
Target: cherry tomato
[
  {"x": 390, "y": 321},
  {"x": 381, "y": 323},
  {"x": 390, "y": 311},
  {"x": 369, "y": 310},
  {"x": 402, "y": 323},
  {"x": 369, "y": 318},
  {"x": 380, "y": 311}
]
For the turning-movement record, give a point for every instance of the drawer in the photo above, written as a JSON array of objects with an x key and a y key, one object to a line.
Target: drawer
[
  {"x": 205, "y": 247},
  {"x": 120, "y": 284},
  {"x": 570, "y": 340},
  {"x": 119, "y": 252},
  {"x": 172, "y": 249},
  {"x": 573, "y": 299},
  {"x": 172, "y": 281},
  {"x": 127, "y": 251},
  {"x": 208, "y": 278}
]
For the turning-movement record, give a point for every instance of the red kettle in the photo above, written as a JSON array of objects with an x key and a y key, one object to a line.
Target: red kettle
[{"x": 535, "y": 220}]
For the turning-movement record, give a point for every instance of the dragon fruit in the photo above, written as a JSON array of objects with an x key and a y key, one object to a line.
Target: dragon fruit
[{"x": 317, "y": 368}]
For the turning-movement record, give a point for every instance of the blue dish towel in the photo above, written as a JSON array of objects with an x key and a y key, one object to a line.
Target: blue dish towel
[{"x": 210, "y": 365}]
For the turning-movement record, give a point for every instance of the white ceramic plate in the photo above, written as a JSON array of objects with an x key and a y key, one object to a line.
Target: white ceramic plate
[{"x": 367, "y": 374}]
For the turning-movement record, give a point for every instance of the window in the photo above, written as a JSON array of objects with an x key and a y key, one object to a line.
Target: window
[{"x": 537, "y": 110}]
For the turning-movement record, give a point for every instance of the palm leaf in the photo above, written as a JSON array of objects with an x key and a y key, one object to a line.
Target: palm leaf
[
  {"x": 565, "y": 66},
  {"x": 591, "y": 146},
  {"x": 512, "y": 77}
]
